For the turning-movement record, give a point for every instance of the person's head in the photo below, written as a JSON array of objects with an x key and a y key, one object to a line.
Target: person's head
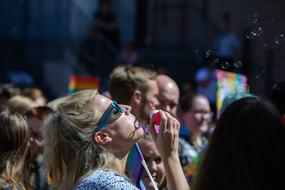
[
  {"x": 20, "y": 104},
  {"x": 154, "y": 163},
  {"x": 246, "y": 149},
  {"x": 105, "y": 6},
  {"x": 277, "y": 96},
  {"x": 35, "y": 118},
  {"x": 86, "y": 132},
  {"x": 195, "y": 112},
  {"x": 135, "y": 86},
  {"x": 6, "y": 92},
  {"x": 168, "y": 94},
  {"x": 36, "y": 95},
  {"x": 13, "y": 147}
]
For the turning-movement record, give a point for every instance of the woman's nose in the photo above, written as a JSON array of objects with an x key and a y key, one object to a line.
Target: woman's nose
[
  {"x": 152, "y": 166},
  {"x": 127, "y": 108}
]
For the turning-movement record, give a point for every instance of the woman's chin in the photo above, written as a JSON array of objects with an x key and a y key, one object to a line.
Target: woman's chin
[{"x": 149, "y": 185}]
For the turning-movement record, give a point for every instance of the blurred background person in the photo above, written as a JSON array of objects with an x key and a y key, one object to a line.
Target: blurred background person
[
  {"x": 206, "y": 81},
  {"x": 196, "y": 115},
  {"x": 35, "y": 94},
  {"x": 34, "y": 159},
  {"x": 13, "y": 148},
  {"x": 6, "y": 92},
  {"x": 129, "y": 55},
  {"x": 226, "y": 45},
  {"x": 137, "y": 87},
  {"x": 168, "y": 94},
  {"x": 20, "y": 104},
  {"x": 105, "y": 23}
]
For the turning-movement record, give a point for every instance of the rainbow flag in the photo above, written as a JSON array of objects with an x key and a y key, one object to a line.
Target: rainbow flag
[
  {"x": 134, "y": 164},
  {"x": 229, "y": 83},
  {"x": 78, "y": 82}
]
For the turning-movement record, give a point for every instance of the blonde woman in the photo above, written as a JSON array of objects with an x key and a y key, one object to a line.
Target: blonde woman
[
  {"x": 13, "y": 148},
  {"x": 88, "y": 139}
]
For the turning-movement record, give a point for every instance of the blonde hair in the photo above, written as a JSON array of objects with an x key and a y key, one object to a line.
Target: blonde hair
[
  {"x": 126, "y": 79},
  {"x": 33, "y": 93},
  {"x": 13, "y": 148},
  {"x": 69, "y": 151},
  {"x": 54, "y": 103},
  {"x": 20, "y": 104}
]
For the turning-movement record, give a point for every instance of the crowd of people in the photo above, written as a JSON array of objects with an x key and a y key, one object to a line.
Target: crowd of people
[{"x": 82, "y": 140}]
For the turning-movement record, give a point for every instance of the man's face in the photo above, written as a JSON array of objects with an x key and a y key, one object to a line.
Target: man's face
[
  {"x": 150, "y": 97},
  {"x": 168, "y": 99}
]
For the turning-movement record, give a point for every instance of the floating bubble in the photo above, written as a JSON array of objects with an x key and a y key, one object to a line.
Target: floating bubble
[
  {"x": 262, "y": 73},
  {"x": 238, "y": 64},
  {"x": 279, "y": 39},
  {"x": 255, "y": 20},
  {"x": 225, "y": 65},
  {"x": 257, "y": 77},
  {"x": 208, "y": 53},
  {"x": 216, "y": 60},
  {"x": 254, "y": 33},
  {"x": 196, "y": 51}
]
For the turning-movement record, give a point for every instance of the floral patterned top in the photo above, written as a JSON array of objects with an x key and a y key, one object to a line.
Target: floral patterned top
[{"x": 105, "y": 180}]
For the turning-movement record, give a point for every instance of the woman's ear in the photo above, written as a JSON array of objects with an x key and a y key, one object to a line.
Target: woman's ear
[{"x": 102, "y": 137}]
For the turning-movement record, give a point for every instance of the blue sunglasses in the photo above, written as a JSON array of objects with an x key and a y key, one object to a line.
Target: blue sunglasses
[{"x": 106, "y": 115}]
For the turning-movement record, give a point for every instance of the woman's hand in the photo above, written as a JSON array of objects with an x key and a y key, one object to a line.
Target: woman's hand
[
  {"x": 167, "y": 138},
  {"x": 166, "y": 142}
]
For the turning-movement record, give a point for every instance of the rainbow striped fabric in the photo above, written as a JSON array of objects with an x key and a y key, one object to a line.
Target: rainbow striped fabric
[
  {"x": 79, "y": 82},
  {"x": 134, "y": 164}
]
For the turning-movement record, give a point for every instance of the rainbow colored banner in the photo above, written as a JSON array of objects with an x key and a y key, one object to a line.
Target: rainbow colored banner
[
  {"x": 78, "y": 82},
  {"x": 134, "y": 164},
  {"x": 228, "y": 83}
]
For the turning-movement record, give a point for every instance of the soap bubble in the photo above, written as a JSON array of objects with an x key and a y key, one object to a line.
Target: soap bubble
[
  {"x": 279, "y": 39},
  {"x": 255, "y": 20},
  {"x": 238, "y": 64},
  {"x": 225, "y": 65},
  {"x": 216, "y": 60},
  {"x": 257, "y": 77},
  {"x": 254, "y": 33},
  {"x": 208, "y": 53}
]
